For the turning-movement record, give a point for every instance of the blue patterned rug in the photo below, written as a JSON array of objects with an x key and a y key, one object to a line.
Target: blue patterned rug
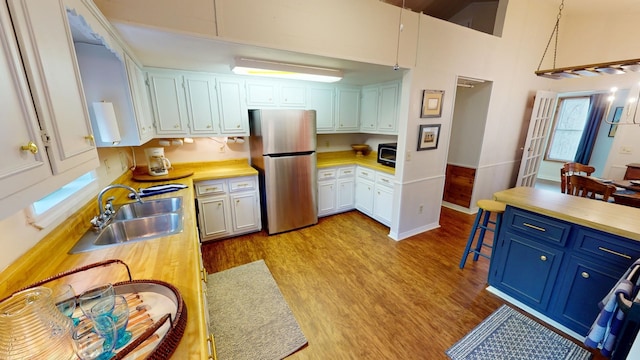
[{"x": 508, "y": 334}]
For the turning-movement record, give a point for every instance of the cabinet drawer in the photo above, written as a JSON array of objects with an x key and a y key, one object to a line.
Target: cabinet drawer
[
  {"x": 538, "y": 226},
  {"x": 325, "y": 174},
  {"x": 346, "y": 172},
  {"x": 211, "y": 187},
  {"x": 242, "y": 184},
  {"x": 384, "y": 180},
  {"x": 607, "y": 247},
  {"x": 366, "y": 173}
]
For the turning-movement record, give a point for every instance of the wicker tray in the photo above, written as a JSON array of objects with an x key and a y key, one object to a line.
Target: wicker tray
[{"x": 157, "y": 314}]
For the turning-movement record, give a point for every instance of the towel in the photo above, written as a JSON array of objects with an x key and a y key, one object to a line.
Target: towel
[
  {"x": 608, "y": 324},
  {"x": 157, "y": 189}
]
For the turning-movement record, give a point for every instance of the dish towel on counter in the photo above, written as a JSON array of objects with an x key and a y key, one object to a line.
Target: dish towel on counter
[
  {"x": 158, "y": 189},
  {"x": 606, "y": 328}
]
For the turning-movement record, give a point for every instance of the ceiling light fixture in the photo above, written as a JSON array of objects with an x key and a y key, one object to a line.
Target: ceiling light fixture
[
  {"x": 244, "y": 66},
  {"x": 613, "y": 67}
]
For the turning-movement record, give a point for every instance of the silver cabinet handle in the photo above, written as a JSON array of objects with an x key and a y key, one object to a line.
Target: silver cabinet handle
[
  {"x": 543, "y": 258},
  {"x": 614, "y": 252},
  {"x": 534, "y": 227},
  {"x": 585, "y": 274}
]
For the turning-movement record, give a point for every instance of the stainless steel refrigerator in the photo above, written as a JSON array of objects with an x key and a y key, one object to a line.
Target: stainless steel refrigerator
[{"x": 283, "y": 150}]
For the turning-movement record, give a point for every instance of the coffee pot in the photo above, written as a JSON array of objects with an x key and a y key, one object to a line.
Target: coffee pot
[{"x": 157, "y": 164}]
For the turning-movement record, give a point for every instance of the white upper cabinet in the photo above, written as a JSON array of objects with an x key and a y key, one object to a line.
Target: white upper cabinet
[
  {"x": 49, "y": 58},
  {"x": 19, "y": 167},
  {"x": 322, "y": 100},
  {"x": 234, "y": 114},
  {"x": 141, "y": 101},
  {"x": 275, "y": 93},
  {"x": 169, "y": 103},
  {"x": 202, "y": 104},
  {"x": 379, "y": 108},
  {"x": 347, "y": 109}
]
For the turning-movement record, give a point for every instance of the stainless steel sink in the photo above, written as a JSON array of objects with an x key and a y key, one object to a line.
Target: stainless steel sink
[
  {"x": 135, "y": 222},
  {"x": 148, "y": 208},
  {"x": 138, "y": 229}
]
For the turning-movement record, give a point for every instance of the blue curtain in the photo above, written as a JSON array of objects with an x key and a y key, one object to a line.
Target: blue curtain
[{"x": 597, "y": 107}]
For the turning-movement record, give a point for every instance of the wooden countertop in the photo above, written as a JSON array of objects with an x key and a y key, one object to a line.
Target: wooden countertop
[
  {"x": 609, "y": 217},
  {"x": 341, "y": 158},
  {"x": 174, "y": 259}
]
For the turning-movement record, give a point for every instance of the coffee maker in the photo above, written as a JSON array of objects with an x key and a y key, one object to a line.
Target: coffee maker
[{"x": 157, "y": 164}]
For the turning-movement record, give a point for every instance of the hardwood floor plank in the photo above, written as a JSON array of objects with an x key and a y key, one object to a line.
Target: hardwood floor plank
[{"x": 358, "y": 294}]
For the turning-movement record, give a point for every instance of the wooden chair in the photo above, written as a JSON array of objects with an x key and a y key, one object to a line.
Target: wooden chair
[
  {"x": 586, "y": 186},
  {"x": 571, "y": 168}
]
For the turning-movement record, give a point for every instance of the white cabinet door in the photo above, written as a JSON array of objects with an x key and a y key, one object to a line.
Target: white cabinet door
[
  {"x": 293, "y": 95},
  {"x": 234, "y": 116},
  {"x": 369, "y": 109},
  {"x": 322, "y": 100},
  {"x": 140, "y": 99},
  {"x": 261, "y": 94},
  {"x": 326, "y": 197},
  {"x": 245, "y": 209},
  {"x": 383, "y": 204},
  {"x": 19, "y": 168},
  {"x": 364, "y": 196},
  {"x": 169, "y": 108},
  {"x": 202, "y": 104},
  {"x": 215, "y": 217},
  {"x": 345, "y": 197},
  {"x": 388, "y": 107},
  {"x": 347, "y": 109},
  {"x": 49, "y": 58}
]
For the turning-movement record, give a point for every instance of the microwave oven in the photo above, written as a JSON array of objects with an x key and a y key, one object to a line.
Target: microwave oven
[{"x": 387, "y": 154}]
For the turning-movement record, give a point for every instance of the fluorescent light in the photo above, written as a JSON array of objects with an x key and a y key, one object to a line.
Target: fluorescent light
[{"x": 267, "y": 68}]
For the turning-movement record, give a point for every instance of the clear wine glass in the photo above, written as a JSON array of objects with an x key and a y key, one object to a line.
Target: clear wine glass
[
  {"x": 65, "y": 299},
  {"x": 97, "y": 342},
  {"x": 120, "y": 316}
]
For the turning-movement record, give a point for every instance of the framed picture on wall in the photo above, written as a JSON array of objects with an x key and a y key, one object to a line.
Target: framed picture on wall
[
  {"x": 616, "y": 118},
  {"x": 428, "y": 137},
  {"x": 431, "y": 103}
]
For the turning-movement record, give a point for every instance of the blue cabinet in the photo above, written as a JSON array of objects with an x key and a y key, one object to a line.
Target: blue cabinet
[{"x": 558, "y": 268}]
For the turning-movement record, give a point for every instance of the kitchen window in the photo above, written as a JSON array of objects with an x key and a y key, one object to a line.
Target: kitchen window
[
  {"x": 569, "y": 124},
  {"x": 63, "y": 201}
]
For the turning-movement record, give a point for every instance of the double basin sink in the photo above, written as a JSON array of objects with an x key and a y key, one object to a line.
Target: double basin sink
[{"x": 136, "y": 221}]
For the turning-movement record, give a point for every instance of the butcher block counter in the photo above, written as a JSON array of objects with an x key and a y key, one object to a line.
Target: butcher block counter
[
  {"x": 611, "y": 218},
  {"x": 175, "y": 259},
  {"x": 340, "y": 158}
]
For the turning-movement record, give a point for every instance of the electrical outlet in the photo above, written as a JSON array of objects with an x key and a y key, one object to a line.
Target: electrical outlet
[
  {"x": 408, "y": 155},
  {"x": 106, "y": 165},
  {"x": 326, "y": 143},
  {"x": 626, "y": 150},
  {"x": 420, "y": 208},
  {"x": 124, "y": 162}
]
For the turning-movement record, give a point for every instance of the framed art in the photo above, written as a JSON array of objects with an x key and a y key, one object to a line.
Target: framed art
[
  {"x": 431, "y": 103},
  {"x": 616, "y": 118},
  {"x": 428, "y": 137}
]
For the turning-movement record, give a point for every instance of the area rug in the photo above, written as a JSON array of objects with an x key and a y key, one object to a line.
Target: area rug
[
  {"x": 248, "y": 315},
  {"x": 508, "y": 334}
]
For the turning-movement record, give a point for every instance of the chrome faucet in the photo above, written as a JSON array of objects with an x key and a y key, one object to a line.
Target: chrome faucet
[{"x": 107, "y": 211}]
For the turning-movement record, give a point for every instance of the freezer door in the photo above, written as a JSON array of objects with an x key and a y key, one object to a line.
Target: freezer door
[
  {"x": 283, "y": 131},
  {"x": 290, "y": 192}
]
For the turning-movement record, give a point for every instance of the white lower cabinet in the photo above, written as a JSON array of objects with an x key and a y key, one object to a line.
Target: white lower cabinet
[
  {"x": 374, "y": 194},
  {"x": 228, "y": 207},
  {"x": 336, "y": 190}
]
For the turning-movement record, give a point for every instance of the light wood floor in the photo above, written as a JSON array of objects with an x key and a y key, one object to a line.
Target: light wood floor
[{"x": 357, "y": 294}]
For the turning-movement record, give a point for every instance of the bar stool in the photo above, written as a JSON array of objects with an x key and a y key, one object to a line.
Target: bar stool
[{"x": 485, "y": 207}]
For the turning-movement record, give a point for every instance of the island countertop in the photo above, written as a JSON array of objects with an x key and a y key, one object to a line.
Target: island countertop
[{"x": 609, "y": 217}]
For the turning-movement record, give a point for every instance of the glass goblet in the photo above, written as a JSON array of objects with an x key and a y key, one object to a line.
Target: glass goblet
[
  {"x": 89, "y": 298},
  {"x": 65, "y": 299},
  {"x": 120, "y": 316},
  {"x": 97, "y": 342}
]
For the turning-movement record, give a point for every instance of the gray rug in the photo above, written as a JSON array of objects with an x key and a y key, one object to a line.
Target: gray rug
[
  {"x": 508, "y": 334},
  {"x": 249, "y": 318}
]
